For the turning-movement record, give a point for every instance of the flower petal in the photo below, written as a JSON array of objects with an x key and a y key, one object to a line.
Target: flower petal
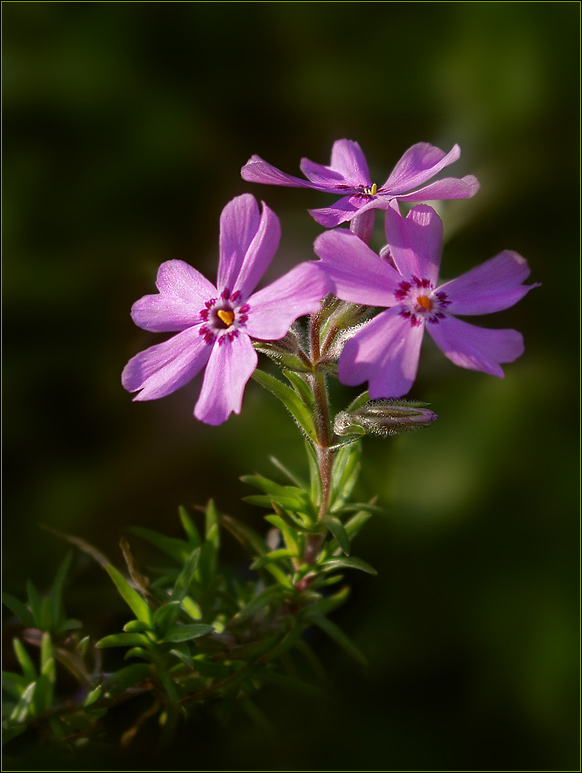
[
  {"x": 239, "y": 223},
  {"x": 476, "y": 348},
  {"x": 342, "y": 211},
  {"x": 416, "y": 242},
  {"x": 420, "y": 162},
  {"x": 259, "y": 254},
  {"x": 230, "y": 366},
  {"x": 274, "y": 308},
  {"x": 357, "y": 273},
  {"x": 183, "y": 293},
  {"x": 163, "y": 368},
  {"x": 385, "y": 352},
  {"x": 447, "y": 188},
  {"x": 258, "y": 171},
  {"x": 348, "y": 167},
  {"x": 492, "y": 286}
]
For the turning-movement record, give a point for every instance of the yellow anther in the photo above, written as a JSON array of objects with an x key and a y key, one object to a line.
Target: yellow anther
[
  {"x": 425, "y": 302},
  {"x": 225, "y": 316},
  {"x": 374, "y": 189}
]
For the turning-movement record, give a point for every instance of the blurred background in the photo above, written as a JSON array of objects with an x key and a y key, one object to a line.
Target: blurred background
[{"x": 125, "y": 127}]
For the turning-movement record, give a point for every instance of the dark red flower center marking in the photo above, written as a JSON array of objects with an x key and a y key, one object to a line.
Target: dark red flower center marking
[
  {"x": 420, "y": 302},
  {"x": 222, "y": 317}
]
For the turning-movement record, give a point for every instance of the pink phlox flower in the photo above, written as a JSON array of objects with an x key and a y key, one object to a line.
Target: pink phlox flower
[
  {"x": 348, "y": 175},
  {"x": 214, "y": 325},
  {"x": 385, "y": 351}
]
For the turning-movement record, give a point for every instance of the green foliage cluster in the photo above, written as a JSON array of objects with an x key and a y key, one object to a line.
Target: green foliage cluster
[{"x": 198, "y": 634}]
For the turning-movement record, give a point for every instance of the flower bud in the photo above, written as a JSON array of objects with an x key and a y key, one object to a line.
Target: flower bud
[{"x": 384, "y": 417}]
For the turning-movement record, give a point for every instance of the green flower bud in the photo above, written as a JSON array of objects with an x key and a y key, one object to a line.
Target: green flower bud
[{"x": 384, "y": 417}]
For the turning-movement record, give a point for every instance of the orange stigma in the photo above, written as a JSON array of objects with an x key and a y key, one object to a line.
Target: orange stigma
[
  {"x": 225, "y": 316},
  {"x": 425, "y": 302}
]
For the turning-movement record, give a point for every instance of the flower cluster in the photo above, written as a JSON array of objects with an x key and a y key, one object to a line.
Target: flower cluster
[{"x": 216, "y": 326}]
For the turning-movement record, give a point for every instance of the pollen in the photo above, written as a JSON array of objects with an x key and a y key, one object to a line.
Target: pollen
[
  {"x": 424, "y": 302},
  {"x": 225, "y": 316}
]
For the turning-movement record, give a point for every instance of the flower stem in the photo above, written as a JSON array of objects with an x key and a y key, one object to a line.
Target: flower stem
[{"x": 322, "y": 419}]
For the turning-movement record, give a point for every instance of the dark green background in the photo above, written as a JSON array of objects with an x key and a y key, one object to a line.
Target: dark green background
[{"x": 125, "y": 126}]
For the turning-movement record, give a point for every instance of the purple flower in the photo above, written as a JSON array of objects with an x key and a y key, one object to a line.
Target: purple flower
[
  {"x": 214, "y": 325},
  {"x": 386, "y": 350},
  {"x": 348, "y": 175}
]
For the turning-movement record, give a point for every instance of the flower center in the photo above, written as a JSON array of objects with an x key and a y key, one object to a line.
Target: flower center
[
  {"x": 226, "y": 316},
  {"x": 222, "y": 317},
  {"x": 420, "y": 302},
  {"x": 424, "y": 302},
  {"x": 371, "y": 191}
]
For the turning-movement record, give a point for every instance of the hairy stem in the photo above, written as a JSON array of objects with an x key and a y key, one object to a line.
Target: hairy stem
[{"x": 322, "y": 418}]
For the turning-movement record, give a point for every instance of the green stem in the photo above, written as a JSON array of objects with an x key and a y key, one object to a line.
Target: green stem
[{"x": 322, "y": 419}]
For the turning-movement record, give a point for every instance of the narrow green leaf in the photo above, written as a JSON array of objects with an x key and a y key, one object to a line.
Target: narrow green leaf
[
  {"x": 188, "y": 632},
  {"x": 358, "y": 402},
  {"x": 325, "y": 606},
  {"x": 339, "y": 466},
  {"x": 212, "y": 532},
  {"x": 264, "y": 500},
  {"x": 23, "y": 708},
  {"x": 130, "y": 596},
  {"x": 46, "y": 620},
  {"x": 86, "y": 547},
  {"x": 137, "y": 578},
  {"x": 138, "y": 652},
  {"x": 57, "y": 611},
  {"x": 15, "y": 684},
  {"x": 289, "y": 533},
  {"x": 46, "y": 654},
  {"x": 165, "y": 617},
  {"x": 93, "y": 696},
  {"x": 262, "y": 600},
  {"x": 124, "y": 640},
  {"x": 181, "y": 652},
  {"x": 69, "y": 625},
  {"x": 274, "y": 555},
  {"x": 352, "y": 563},
  {"x": 345, "y": 472},
  {"x": 357, "y": 506},
  {"x": 314, "y": 477},
  {"x": 43, "y": 696},
  {"x": 335, "y": 633},
  {"x": 136, "y": 626},
  {"x": 186, "y": 576},
  {"x": 292, "y": 522},
  {"x": 323, "y": 581},
  {"x": 177, "y": 549},
  {"x": 336, "y": 527},
  {"x": 291, "y": 475},
  {"x": 289, "y": 399},
  {"x": 126, "y": 677},
  {"x": 23, "y": 658},
  {"x": 19, "y": 609},
  {"x": 189, "y": 528},
  {"x": 83, "y": 645},
  {"x": 352, "y": 527},
  {"x": 355, "y": 523},
  {"x": 248, "y": 538},
  {"x": 191, "y": 608},
  {"x": 302, "y": 389}
]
